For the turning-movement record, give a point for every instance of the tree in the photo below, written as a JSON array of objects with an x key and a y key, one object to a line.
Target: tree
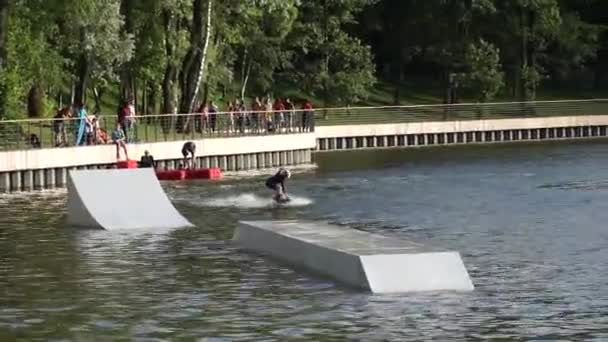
[
  {"x": 31, "y": 63},
  {"x": 259, "y": 37},
  {"x": 531, "y": 26},
  {"x": 4, "y": 8},
  {"x": 327, "y": 60},
  {"x": 484, "y": 76},
  {"x": 193, "y": 64},
  {"x": 149, "y": 59},
  {"x": 583, "y": 40},
  {"x": 96, "y": 41}
]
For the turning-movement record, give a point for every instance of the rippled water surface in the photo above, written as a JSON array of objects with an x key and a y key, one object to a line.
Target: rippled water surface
[{"x": 529, "y": 221}]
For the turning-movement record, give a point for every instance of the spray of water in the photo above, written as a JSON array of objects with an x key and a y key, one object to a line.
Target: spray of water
[{"x": 251, "y": 201}]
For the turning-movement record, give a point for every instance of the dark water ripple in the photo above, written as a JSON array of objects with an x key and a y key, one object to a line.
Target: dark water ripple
[{"x": 529, "y": 223}]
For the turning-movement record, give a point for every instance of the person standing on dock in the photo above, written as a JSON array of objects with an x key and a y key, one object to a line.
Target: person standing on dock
[
  {"x": 189, "y": 148},
  {"x": 308, "y": 116}
]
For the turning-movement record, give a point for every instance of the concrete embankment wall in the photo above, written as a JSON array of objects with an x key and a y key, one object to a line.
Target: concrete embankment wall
[
  {"x": 34, "y": 169},
  {"x": 47, "y": 168},
  {"x": 331, "y": 138}
]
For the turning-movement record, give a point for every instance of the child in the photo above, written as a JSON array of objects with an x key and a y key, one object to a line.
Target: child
[{"x": 118, "y": 137}]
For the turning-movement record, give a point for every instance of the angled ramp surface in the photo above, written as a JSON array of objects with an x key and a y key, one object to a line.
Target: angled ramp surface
[
  {"x": 120, "y": 199},
  {"x": 373, "y": 262}
]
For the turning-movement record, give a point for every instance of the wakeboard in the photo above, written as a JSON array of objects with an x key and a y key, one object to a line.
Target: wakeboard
[{"x": 281, "y": 199}]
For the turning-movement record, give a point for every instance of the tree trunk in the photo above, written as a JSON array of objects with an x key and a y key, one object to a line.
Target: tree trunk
[
  {"x": 168, "y": 104},
  {"x": 170, "y": 69},
  {"x": 531, "y": 91},
  {"x": 523, "y": 54},
  {"x": 203, "y": 57},
  {"x": 144, "y": 99},
  {"x": 186, "y": 75},
  {"x": 35, "y": 103},
  {"x": 4, "y": 5},
  {"x": 245, "y": 72},
  {"x": 152, "y": 95},
  {"x": 83, "y": 78},
  {"x": 134, "y": 92},
  {"x": 98, "y": 95},
  {"x": 397, "y": 79},
  {"x": 397, "y": 94},
  {"x": 205, "y": 92},
  {"x": 325, "y": 58},
  {"x": 4, "y": 9},
  {"x": 126, "y": 75},
  {"x": 72, "y": 93}
]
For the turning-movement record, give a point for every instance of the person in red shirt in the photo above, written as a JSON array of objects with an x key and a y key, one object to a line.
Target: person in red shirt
[
  {"x": 123, "y": 118},
  {"x": 278, "y": 109},
  {"x": 307, "y": 117}
]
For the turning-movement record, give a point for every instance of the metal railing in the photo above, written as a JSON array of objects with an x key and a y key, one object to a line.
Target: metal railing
[
  {"x": 49, "y": 133},
  {"x": 456, "y": 112},
  {"x": 67, "y": 132}
]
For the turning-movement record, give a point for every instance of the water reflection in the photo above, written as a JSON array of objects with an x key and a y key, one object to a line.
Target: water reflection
[{"x": 536, "y": 253}]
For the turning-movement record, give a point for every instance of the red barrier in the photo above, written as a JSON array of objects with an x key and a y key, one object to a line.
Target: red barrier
[
  {"x": 126, "y": 164},
  {"x": 171, "y": 174},
  {"x": 211, "y": 173}
]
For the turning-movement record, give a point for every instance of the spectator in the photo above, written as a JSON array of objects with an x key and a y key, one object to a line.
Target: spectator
[
  {"x": 131, "y": 120},
  {"x": 118, "y": 137},
  {"x": 147, "y": 160},
  {"x": 91, "y": 130},
  {"x": 35, "y": 141},
  {"x": 204, "y": 117},
  {"x": 290, "y": 111},
  {"x": 278, "y": 108},
  {"x": 59, "y": 126},
  {"x": 239, "y": 108},
  {"x": 243, "y": 110},
  {"x": 256, "y": 111},
  {"x": 307, "y": 117},
  {"x": 213, "y": 115},
  {"x": 81, "y": 124},
  {"x": 231, "y": 109},
  {"x": 124, "y": 114},
  {"x": 102, "y": 136},
  {"x": 268, "y": 114}
]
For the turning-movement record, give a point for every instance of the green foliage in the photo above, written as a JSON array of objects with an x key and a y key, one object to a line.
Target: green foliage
[
  {"x": 30, "y": 58},
  {"x": 327, "y": 61},
  {"x": 96, "y": 32},
  {"x": 485, "y": 76},
  {"x": 332, "y": 50}
]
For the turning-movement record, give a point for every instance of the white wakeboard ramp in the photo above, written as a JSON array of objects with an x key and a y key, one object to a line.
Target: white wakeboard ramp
[
  {"x": 367, "y": 261},
  {"x": 120, "y": 199}
]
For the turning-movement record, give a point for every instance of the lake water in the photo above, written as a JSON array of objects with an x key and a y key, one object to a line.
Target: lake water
[{"x": 528, "y": 220}]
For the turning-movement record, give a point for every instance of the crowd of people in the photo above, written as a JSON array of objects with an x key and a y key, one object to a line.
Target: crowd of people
[
  {"x": 279, "y": 115},
  {"x": 86, "y": 127},
  {"x": 73, "y": 125}
]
